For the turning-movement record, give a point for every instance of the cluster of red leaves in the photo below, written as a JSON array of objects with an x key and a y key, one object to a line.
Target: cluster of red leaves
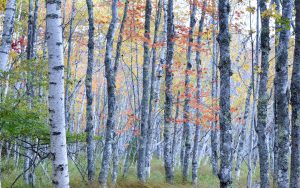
[{"x": 18, "y": 44}]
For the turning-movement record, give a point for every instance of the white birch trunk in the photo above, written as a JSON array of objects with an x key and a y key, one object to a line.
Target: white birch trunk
[
  {"x": 7, "y": 33},
  {"x": 60, "y": 174}
]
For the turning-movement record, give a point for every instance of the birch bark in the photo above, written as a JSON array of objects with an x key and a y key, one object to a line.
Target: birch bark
[
  {"x": 282, "y": 94},
  {"x": 295, "y": 102},
  {"x": 145, "y": 98},
  {"x": 225, "y": 115},
  {"x": 89, "y": 95},
  {"x": 60, "y": 174},
  {"x": 195, "y": 157},
  {"x": 263, "y": 98},
  {"x": 187, "y": 128},
  {"x": 168, "y": 95},
  {"x": 111, "y": 96},
  {"x": 7, "y": 34}
]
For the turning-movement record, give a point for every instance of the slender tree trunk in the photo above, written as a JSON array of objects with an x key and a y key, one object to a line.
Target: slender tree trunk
[
  {"x": 8, "y": 29},
  {"x": 295, "y": 102},
  {"x": 263, "y": 98},
  {"x": 111, "y": 96},
  {"x": 89, "y": 95},
  {"x": 68, "y": 72},
  {"x": 225, "y": 115},
  {"x": 242, "y": 136},
  {"x": 176, "y": 130},
  {"x": 168, "y": 95},
  {"x": 151, "y": 116},
  {"x": 275, "y": 146},
  {"x": 60, "y": 174},
  {"x": 115, "y": 145},
  {"x": 251, "y": 89},
  {"x": 186, "y": 109},
  {"x": 281, "y": 96},
  {"x": 214, "y": 93},
  {"x": 1, "y": 145},
  {"x": 159, "y": 75},
  {"x": 145, "y": 99},
  {"x": 195, "y": 158}
]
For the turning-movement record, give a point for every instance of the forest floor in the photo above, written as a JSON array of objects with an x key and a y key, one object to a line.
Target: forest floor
[{"x": 157, "y": 180}]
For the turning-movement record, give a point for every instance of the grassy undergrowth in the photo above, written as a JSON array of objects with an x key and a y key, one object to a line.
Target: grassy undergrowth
[{"x": 157, "y": 180}]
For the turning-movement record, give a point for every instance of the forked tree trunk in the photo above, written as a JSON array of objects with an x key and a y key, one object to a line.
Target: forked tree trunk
[
  {"x": 111, "y": 96},
  {"x": 60, "y": 174}
]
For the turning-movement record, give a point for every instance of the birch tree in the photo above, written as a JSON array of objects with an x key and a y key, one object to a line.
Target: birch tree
[
  {"x": 89, "y": 95},
  {"x": 281, "y": 95},
  {"x": 145, "y": 98},
  {"x": 111, "y": 96},
  {"x": 195, "y": 157},
  {"x": 225, "y": 114},
  {"x": 263, "y": 97},
  {"x": 168, "y": 95},
  {"x": 151, "y": 116},
  {"x": 187, "y": 128},
  {"x": 60, "y": 174},
  {"x": 7, "y": 33},
  {"x": 295, "y": 102}
]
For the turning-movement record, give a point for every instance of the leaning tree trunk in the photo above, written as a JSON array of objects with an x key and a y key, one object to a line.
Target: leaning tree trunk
[
  {"x": 169, "y": 95},
  {"x": 60, "y": 174},
  {"x": 187, "y": 128},
  {"x": 295, "y": 102},
  {"x": 263, "y": 97},
  {"x": 8, "y": 28},
  {"x": 111, "y": 96},
  {"x": 281, "y": 96},
  {"x": 195, "y": 158},
  {"x": 225, "y": 115},
  {"x": 89, "y": 95}
]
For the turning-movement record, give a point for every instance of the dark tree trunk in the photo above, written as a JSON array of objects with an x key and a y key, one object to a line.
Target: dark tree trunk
[
  {"x": 195, "y": 158},
  {"x": 111, "y": 96},
  {"x": 168, "y": 95},
  {"x": 263, "y": 98},
  {"x": 151, "y": 116},
  {"x": 187, "y": 128},
  {"x": 141, "y": 173},
  {"x": 281, "y": 95},
  {"x": 225, "y": 115},
  {"x": 89, "y": 95},
  {"x": 295, "y": 102}
]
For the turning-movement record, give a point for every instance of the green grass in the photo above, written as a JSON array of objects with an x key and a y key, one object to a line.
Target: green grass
[{"x": 157, "y": 180}]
